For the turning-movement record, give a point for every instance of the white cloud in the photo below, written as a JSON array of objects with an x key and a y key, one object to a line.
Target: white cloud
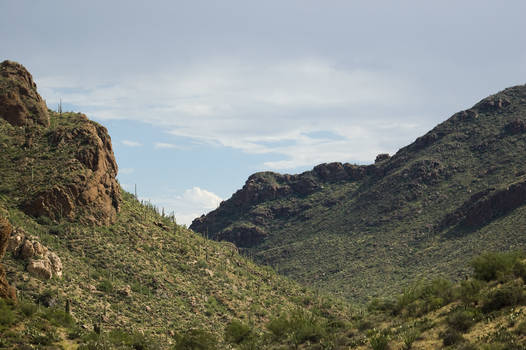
[
  {"x": 190, "y": 204},
  {"x": 126, "y": 171},
  {"x": 131, "y": 143},
  {"x": 256, "y": 107},
  {"x": 161, "y": 145}
]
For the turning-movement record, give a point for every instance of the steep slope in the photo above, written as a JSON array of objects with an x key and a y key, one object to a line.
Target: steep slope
[
  {"x": 361, "y": 230},
  {"x": 98, "y": 262}
]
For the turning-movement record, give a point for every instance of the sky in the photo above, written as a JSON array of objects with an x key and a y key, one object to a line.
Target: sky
[{"x": 197, "y": 95}]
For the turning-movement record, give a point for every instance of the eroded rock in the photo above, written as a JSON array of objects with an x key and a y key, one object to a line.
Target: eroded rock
[{"x": 20, "y": 104}]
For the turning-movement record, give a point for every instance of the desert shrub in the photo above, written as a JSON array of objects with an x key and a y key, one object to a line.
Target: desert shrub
[
  {"x": 493, "y": 266},
  {"x": 299, "y": 327},
  {"x": 469, "y": 290},
  {"x": 425, "y": 296},
  {"x": 237, "y": 332},
  {"x": 521, "y": 328},
  {"x": 381, "y": 304},
  {"x": 136, "y": 341},
  {"x": 28, "y": 308},
  {"x": 409, "y": 337},
  {"x": 278, "y": 326},
  {"x": 105, "y": 286},
  {"x": 509, "y": 294},
  {"x": 451, "y": 337},
  {"x": 379, "y": 341},
  {"x": 519, "y": 270},
  {"x": 7, "y": 316},
  {"x": 195, "y": 339},
  {"x": 58, "y": 317},
  {"x": 461, "y": 320}
]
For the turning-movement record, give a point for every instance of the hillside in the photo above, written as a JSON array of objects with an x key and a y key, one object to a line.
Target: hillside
[
  {"x": 364, "y": 230},
  {"x": 88, "y": 259}
]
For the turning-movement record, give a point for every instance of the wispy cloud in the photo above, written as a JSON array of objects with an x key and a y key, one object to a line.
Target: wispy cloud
[
  {"x": 126, "y": 171},
  {"x": 256, "y": 107},
  {"x": 164, "y": 145},
  {"x": 131, "y": 143}
]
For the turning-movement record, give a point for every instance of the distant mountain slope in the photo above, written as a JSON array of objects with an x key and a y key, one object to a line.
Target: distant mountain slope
[{"x": 360, "y": 230}]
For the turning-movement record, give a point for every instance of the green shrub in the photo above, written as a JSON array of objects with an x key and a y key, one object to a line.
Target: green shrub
[
  {"x": 105, "y": 286},
  {"x": 469, "y": 291},
  {"x": 379, "y": 341},
  {"x": 509, "y": 294},
  {"x": 299, "y": 327},
  {"x": 58, "y": 317},
  {"x": 28, "y": 308},
  {"x": 195, "y": 339},
  {"x": 7, "y": 316},
  {"x": 451, "y": 337},
  {"x": 409, "y": 337},
  {"x": 461, "y": 320},
  {"x": 237, "y": 332},
  {"x": 521, "y": 328},
  {"x": 493, "y": 266},
  {"x": 424, "y": 297}
]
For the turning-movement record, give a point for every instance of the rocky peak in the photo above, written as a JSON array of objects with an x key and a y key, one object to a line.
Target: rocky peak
[{"x": 20, "y": 103}]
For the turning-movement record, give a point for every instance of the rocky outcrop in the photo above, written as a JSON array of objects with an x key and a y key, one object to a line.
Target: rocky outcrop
[
  {"x": 20, "y": 104},
  {"x": 94, "y": 192},
  {"x": 487, "y": 205},
  {"x": 516, "y": 126},
  {"x": 41, "y": 262},
  {"x": 244, "y": 235},
  {"x": 6, "y": 291},
  {"x": 85, "y": 188},
  {"x": 268, "y": 186}
]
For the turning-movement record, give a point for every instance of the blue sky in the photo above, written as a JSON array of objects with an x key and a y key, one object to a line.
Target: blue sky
[{"x": 197, "y": 95}]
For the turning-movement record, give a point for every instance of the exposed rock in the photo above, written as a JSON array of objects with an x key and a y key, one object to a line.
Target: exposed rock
[
  {"x": 243, "y": 236},
  {"x": 492, "y": 103},
  {"x": 487, "y": 205},
  {"x": 42, "y": 262},
  {"x": 94, "y": 193},
  {"x": 516, "y": 126},
  {"x": 20, "y": 104},
  {"x": 381, "y": 157},
  {"x": 40, "y": 268},
  {"x": 126, "y": 291},
  {"x": 6, "y": 291}
]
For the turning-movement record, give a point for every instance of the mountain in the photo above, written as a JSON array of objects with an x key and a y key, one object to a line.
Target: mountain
[
  {"x": 86, "y": 265},
  {"x": 365, "y": 230},
  {"x": 95, "y": 267}
]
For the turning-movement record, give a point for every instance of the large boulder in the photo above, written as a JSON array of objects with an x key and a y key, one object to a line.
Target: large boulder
[{"x": 20, "y": 104}]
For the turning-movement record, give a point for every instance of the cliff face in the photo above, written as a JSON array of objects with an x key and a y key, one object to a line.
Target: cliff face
[
  {"x": 61, "y": 165},
  {"x": 429, "y": 205}
]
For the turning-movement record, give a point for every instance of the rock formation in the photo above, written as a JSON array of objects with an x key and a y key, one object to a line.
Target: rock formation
[
  {"x": 6, "y": 291},
  {"x": 94, "y": 191},
  {"x": 20, "y": 104},
  {"x": 41, "y": 262},
  {"x": 87, "y": 190}
]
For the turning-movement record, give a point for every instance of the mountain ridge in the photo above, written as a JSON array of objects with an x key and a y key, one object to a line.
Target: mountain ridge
[{"x": 444, "y": 184}]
